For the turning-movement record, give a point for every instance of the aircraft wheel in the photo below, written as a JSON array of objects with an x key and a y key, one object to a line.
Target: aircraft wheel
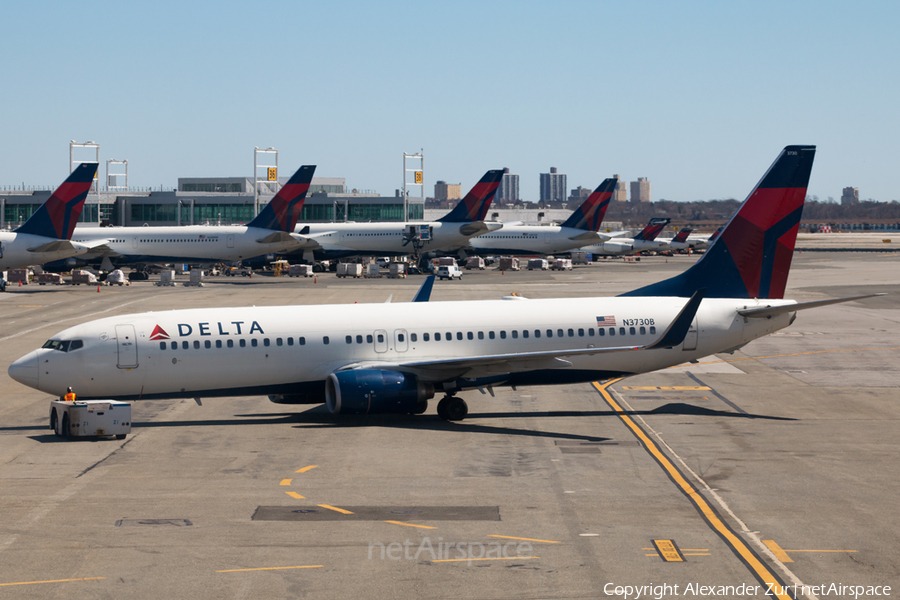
[
  {"x": 66, "y": 433},
  {"x": 442, "y": 407},
  {"x": 457, "y": 409},
  {"x": 2, "y": 285}
]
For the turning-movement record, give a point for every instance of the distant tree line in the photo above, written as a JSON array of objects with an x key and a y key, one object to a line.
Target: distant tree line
[{"x": 709, "y": 214}]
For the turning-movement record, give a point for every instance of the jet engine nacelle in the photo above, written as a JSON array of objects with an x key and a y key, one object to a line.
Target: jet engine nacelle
[{"x": 369, "y": 391}]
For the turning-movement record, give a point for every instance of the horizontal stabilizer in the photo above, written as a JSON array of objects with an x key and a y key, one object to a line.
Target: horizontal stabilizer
[
  {"x": 590, "y": 237},
  {"x": 478, "y": 227},
  {"x": 276, "y": 237},
  {"x": 771, "y": 311},
  {"x": 54, "y": 246}
]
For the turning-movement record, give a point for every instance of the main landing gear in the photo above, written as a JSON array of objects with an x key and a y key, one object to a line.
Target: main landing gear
[{"x": 451, "y": 408}]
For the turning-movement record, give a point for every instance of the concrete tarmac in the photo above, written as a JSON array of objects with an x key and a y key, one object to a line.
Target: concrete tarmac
[{"x": 776, "y": 464}]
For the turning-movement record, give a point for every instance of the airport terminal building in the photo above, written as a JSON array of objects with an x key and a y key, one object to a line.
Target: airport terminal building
[{"x": 214, "y": 200}]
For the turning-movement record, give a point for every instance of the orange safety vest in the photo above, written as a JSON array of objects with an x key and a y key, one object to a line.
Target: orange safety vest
[{"x": 70, "y": 397}]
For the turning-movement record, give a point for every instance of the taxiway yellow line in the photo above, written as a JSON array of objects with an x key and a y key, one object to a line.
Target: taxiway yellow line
[
  {"x": 680, "y": 388},
  {"x": 270, "y": 568},
  {"x": 336, "y": 509},
  {"x": 777, "y": 551},
  {"x": 305, "y": 469},
  {"x": 706, "y": 511},
  {"x": 409, "y": 524},
  {"x": 820, "y": 550},
  {"x": 509, "y": 537},
  {"x": 286, "y": 482},
  {"x": 295, "y": 496},
  {"x": 474, "y": 559},
  {"x": 52, "y": 581}
]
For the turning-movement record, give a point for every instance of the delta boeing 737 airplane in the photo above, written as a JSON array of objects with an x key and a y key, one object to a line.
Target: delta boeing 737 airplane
[{"x": 392, "y": 358}]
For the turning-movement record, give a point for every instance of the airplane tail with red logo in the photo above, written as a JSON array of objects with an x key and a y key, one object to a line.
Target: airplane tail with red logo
[
  {"x": 653, "y": 229},
  {"x": 282, "y": 211},
  {"x": 474, "y": 207},
  {"x": 751, "y": 258},
  {"x": 589, "y": 216},
  {"x": 56, "y": 218}
]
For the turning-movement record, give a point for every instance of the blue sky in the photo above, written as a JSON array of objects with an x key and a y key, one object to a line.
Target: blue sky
[{"x": 699, "y": 97}]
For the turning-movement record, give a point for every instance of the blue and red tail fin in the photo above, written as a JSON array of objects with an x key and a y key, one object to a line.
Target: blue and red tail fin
[
  {"x": 653, "y": 229},
  {"x": 589, "y": 216},
  {"x": 57, "y": 217},
  {"x": 751, "y": 258},
  {"x": 682, "y": 236},
  {"x": 475, "y": 206},
  {"x": 715, "y": 234},
  {"x": 282, "y": 211}
]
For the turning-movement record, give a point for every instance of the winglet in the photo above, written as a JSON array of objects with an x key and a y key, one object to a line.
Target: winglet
[
  {"x": 424, "y": 293},
  {"x": 282, "y": 211},
  {"x": 589, "y": 216},
  {"x": 56, "y": 218},
  {"x": 474, "y": 207},
  {"x": 676, "y": 332}
]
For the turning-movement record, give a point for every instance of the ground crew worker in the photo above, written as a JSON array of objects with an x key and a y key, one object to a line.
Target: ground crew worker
[{"x": 70, "y": 395}]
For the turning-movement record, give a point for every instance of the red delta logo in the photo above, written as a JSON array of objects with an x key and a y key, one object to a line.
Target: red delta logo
[{"x": 159, "y": 334}]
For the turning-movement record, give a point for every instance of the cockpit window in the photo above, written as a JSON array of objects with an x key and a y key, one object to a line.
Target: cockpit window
[
  {"x": 57, "y": 345},
  {"x": 63, "y": 345}
]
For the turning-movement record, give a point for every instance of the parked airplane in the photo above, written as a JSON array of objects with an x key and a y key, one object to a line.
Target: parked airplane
[
  {"x": 337, "y": 240},
  {"x": 392, "y": 358},
  {"x": 47, "y": 234},
  {"x": 680, "y": 241},
  {"x": 270, "y": 231},
  {"x": 579, "y": 230},
  {"x": 642, "y": 242}
]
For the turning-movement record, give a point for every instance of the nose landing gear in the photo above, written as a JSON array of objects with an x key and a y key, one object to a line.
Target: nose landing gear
[{"x": 451, "y": 408}]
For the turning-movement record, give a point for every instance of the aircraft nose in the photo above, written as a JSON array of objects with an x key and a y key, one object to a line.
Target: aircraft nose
[{"x": 25, "y": 370}]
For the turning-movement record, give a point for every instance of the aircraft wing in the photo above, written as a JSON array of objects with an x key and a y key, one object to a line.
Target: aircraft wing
[
  {"x": 479, "y": 227},
  {"x": 497, "y": 364}
]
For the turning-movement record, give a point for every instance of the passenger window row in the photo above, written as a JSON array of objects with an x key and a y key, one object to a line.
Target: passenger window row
[
  {"x": 413, "y": 337},
  {"x": 230, "y": 343}
]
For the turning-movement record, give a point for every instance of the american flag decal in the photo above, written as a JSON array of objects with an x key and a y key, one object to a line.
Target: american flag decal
[{"x": 607, "y": 320}]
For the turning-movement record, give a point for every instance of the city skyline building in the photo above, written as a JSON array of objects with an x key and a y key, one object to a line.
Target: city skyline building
[
  {"x": 640, "y": 190},
  {"x": 850, "y": 196},
  {"x": 447, "y": 191},
  {"x": 553, "y": 186},
  {"x": 508, "y": 191}
]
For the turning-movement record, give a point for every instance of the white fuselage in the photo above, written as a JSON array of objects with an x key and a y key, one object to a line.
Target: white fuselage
[
  {"x": 189, "y": 244},
  {"x": 623, "y": 246},
  {"x": 385, "y": 239},
  {"x": 14, "y": 252},
  {"x": 278, "y": 350},
  {"x": 532, "y": 240}
]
